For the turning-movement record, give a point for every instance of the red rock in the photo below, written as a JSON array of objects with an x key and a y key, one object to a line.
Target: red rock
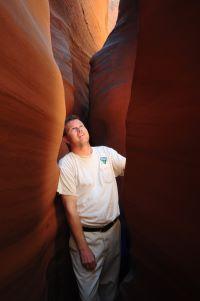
[
  {"x": 162, "y": 177},
  {"x": 32, "y": 115},
  {"x": 111, "y": 79}
]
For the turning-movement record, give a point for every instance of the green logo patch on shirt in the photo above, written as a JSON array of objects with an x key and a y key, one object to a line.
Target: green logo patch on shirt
[{"x": 103, "y": 159}]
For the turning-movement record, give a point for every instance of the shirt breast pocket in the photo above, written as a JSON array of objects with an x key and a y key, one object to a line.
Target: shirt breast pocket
[
  {"x": 106, "y": 172},
  {"x": 85, "y": 181}
]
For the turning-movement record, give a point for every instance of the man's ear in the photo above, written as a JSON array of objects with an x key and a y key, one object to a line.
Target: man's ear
[{"x": 65, "y": 139}]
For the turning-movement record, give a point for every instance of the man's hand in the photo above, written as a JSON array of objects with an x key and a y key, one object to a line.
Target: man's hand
[{"x": 88, "y": 259}]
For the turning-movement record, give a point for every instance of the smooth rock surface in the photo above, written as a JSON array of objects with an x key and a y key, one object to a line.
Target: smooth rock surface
[
  {"x": 162, "y": 177},
  {"x": 111, "y": 78},
  {"x": 79, "y": 29},
  {"x": 32, "y": 115}
]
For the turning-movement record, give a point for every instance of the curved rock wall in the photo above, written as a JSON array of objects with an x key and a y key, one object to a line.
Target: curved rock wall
[
  {"x": 32, "y": 115},
  {"x": 79, "y": 29},
  {"x": 162, "y": 178},
  {"x": 161, "y": 183},
  {"x": 111, "y": 78}
]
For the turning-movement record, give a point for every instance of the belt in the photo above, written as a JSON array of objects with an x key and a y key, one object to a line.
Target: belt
[{"x": 100, "y": 229}]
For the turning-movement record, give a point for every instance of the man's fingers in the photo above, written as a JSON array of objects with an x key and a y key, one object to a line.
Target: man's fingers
[
  {"x": 88, "y": 260},
  {"x": 93, "y": 265},
  {"x": 90, "y": 265}
]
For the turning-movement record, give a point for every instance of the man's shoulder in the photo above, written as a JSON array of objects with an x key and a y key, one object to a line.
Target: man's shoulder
[
  {"x": 104, "y": 149},
  {"x": 66, "y": 160}
]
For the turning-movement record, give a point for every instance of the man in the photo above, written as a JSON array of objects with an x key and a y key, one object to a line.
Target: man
[{"x": 89, "y": 193}]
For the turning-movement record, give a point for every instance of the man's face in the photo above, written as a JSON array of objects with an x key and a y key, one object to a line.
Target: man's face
[{"x": 76, "y": 133}]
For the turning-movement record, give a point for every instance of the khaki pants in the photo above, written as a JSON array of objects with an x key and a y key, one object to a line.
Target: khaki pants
[{"x": 100, "y": 284}]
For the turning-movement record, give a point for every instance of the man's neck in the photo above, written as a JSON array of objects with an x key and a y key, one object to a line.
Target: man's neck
[{"x": 82, "y": 150}]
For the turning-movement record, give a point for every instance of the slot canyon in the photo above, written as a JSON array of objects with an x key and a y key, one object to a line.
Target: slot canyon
[{"x": 130, "y": 70}]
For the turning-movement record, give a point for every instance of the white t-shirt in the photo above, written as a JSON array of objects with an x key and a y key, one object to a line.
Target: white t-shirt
[{"x": 92, "y": 180}]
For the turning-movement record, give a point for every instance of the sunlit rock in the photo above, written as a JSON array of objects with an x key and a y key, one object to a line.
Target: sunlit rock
[
  {"x": 78, "y": 30},
  {"x": 32, "y": 115},
  {"x": 111, "y": 79}
]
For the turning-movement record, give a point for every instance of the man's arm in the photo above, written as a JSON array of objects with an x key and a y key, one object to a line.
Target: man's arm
[
  {"x": 118, "y": 162},
  {"x": 86, "y": 255}
]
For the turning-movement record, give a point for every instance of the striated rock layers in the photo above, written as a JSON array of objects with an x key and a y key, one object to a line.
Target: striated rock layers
[
  {"x": 162, "y": 178},
  {"x": 79, "y": 29},
  {"x": 111, "y": 78},
  {"x": 32, "y": 115}
]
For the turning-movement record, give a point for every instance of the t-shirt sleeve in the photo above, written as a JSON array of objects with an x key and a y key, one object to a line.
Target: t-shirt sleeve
[
  {"x": 118, "y": 162},
  {"x": 67, "y": 180}
]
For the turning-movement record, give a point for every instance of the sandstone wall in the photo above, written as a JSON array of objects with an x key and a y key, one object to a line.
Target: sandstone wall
[
  {"x": 162, "y": 178},
  {"x": 110, "y": 80},
  {"x": 32, "y": 115},
  {"x": 161, "y": 182},
  {"x": 79, "y": 29}
]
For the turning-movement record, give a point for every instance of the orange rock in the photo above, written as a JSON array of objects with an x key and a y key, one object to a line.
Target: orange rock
[
  {"x": 32, "y": 116},
  {"x": 78, "y": 30}
]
